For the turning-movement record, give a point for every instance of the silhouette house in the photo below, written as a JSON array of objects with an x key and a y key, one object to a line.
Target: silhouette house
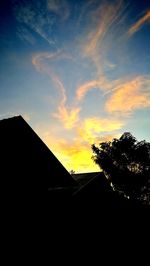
[
  {"x": 26, "y": 162},
  {"x": 28, "y": 168}
]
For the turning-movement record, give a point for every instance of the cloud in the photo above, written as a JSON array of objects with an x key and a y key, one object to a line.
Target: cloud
[
  {"x": 41, "y": 66},
  {"x": 140, "y": 23},
  {"x": 59, "y": 7},
  {"x": 104, "y": 17},
  {"x": 68, "y": 116},
  {"x": 36, "y": 17},
  {"x": 93, "y": 128},
  {"x": 102, "y": 84},
  {"x": 38, "y": 57},
  {"x": 130, "y": 95},
  {"x": 83, "y": 89},
  {"x": 25, "y": 35},
  {"x": 110, "y": 65},
  {"x": 84, "y": 10},
  {"x": 104, "y": 21},
  {"x": 76, "y": 154}
]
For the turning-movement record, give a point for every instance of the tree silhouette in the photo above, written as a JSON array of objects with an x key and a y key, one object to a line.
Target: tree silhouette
[{"x": 126, "y": 164}]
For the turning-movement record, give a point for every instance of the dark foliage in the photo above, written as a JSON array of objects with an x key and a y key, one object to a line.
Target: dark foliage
[{"x": 126, "y": 164}]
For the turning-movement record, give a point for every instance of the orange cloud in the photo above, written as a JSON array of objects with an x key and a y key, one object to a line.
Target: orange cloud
[
  {"x": 104, "y": 16},
  {"x": 95, "y": 46},
  {"x": 136, "y": 26},
  {"x": 129, "y": 96},
  {"x": 67, "y": 116},
  {"x": 37, "y": 61},
  {"x": 103, "y": 84},
  {"x": 92, "y": 128},
  {"x": 83, "y": 89},
  {"x": 38, "y": 58}
]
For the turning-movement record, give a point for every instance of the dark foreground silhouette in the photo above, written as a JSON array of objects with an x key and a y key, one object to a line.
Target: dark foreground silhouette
[
  {"x": 126, "y": 163},
  {"x": 29, "y": 168},
  {"x": 38, "y": 191}
]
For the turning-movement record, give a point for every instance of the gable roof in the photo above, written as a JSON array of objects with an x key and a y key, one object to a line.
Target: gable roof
[
  {"x": 84, "y": 178},
  {"x": 25, "y": 156},
  {"x": 98, "y": 193}
]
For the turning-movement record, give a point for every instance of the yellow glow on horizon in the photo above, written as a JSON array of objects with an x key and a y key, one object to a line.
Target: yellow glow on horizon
[
  {"x": 94, "y": 127},
  {"x": 76, "y": 154}
]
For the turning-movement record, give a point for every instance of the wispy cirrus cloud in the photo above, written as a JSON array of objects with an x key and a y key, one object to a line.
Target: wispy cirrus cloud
[
  {"x": 67, "y": 115},
  {"x": 25, "y": 35},
  {"x": 35, "y": 16},
  {"x": 84, "y": 88},
  {"x": 59, "y": 7},
  {"x": 97, "y": 44},
  {"x": 104, "y": 17},
  {"x": 102, "y": 84},
  {"x": 130, "y": 96},
  {"x": 123, "y": 96},
  {"x": 109, "y": 14},
  {"x": 139, "y": 24},
  {"x": 41, "y": 66}
]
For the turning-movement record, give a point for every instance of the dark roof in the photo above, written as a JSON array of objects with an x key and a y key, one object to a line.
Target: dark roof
[
  {"x": 26, "y": 158},
  {"x": 84, "y": 178},
  {"x": 97, "y": 193},
  {"x": 95, "y": 182}
]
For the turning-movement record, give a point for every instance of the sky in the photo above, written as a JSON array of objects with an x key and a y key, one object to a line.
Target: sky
[{"x": 77, "y": 71}]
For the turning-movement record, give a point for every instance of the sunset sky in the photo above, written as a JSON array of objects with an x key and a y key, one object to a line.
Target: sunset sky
[{"x": 78, "y": 71}]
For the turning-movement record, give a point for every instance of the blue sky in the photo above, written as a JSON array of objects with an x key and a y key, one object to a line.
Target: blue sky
[{"x": 77, "y": 71}]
